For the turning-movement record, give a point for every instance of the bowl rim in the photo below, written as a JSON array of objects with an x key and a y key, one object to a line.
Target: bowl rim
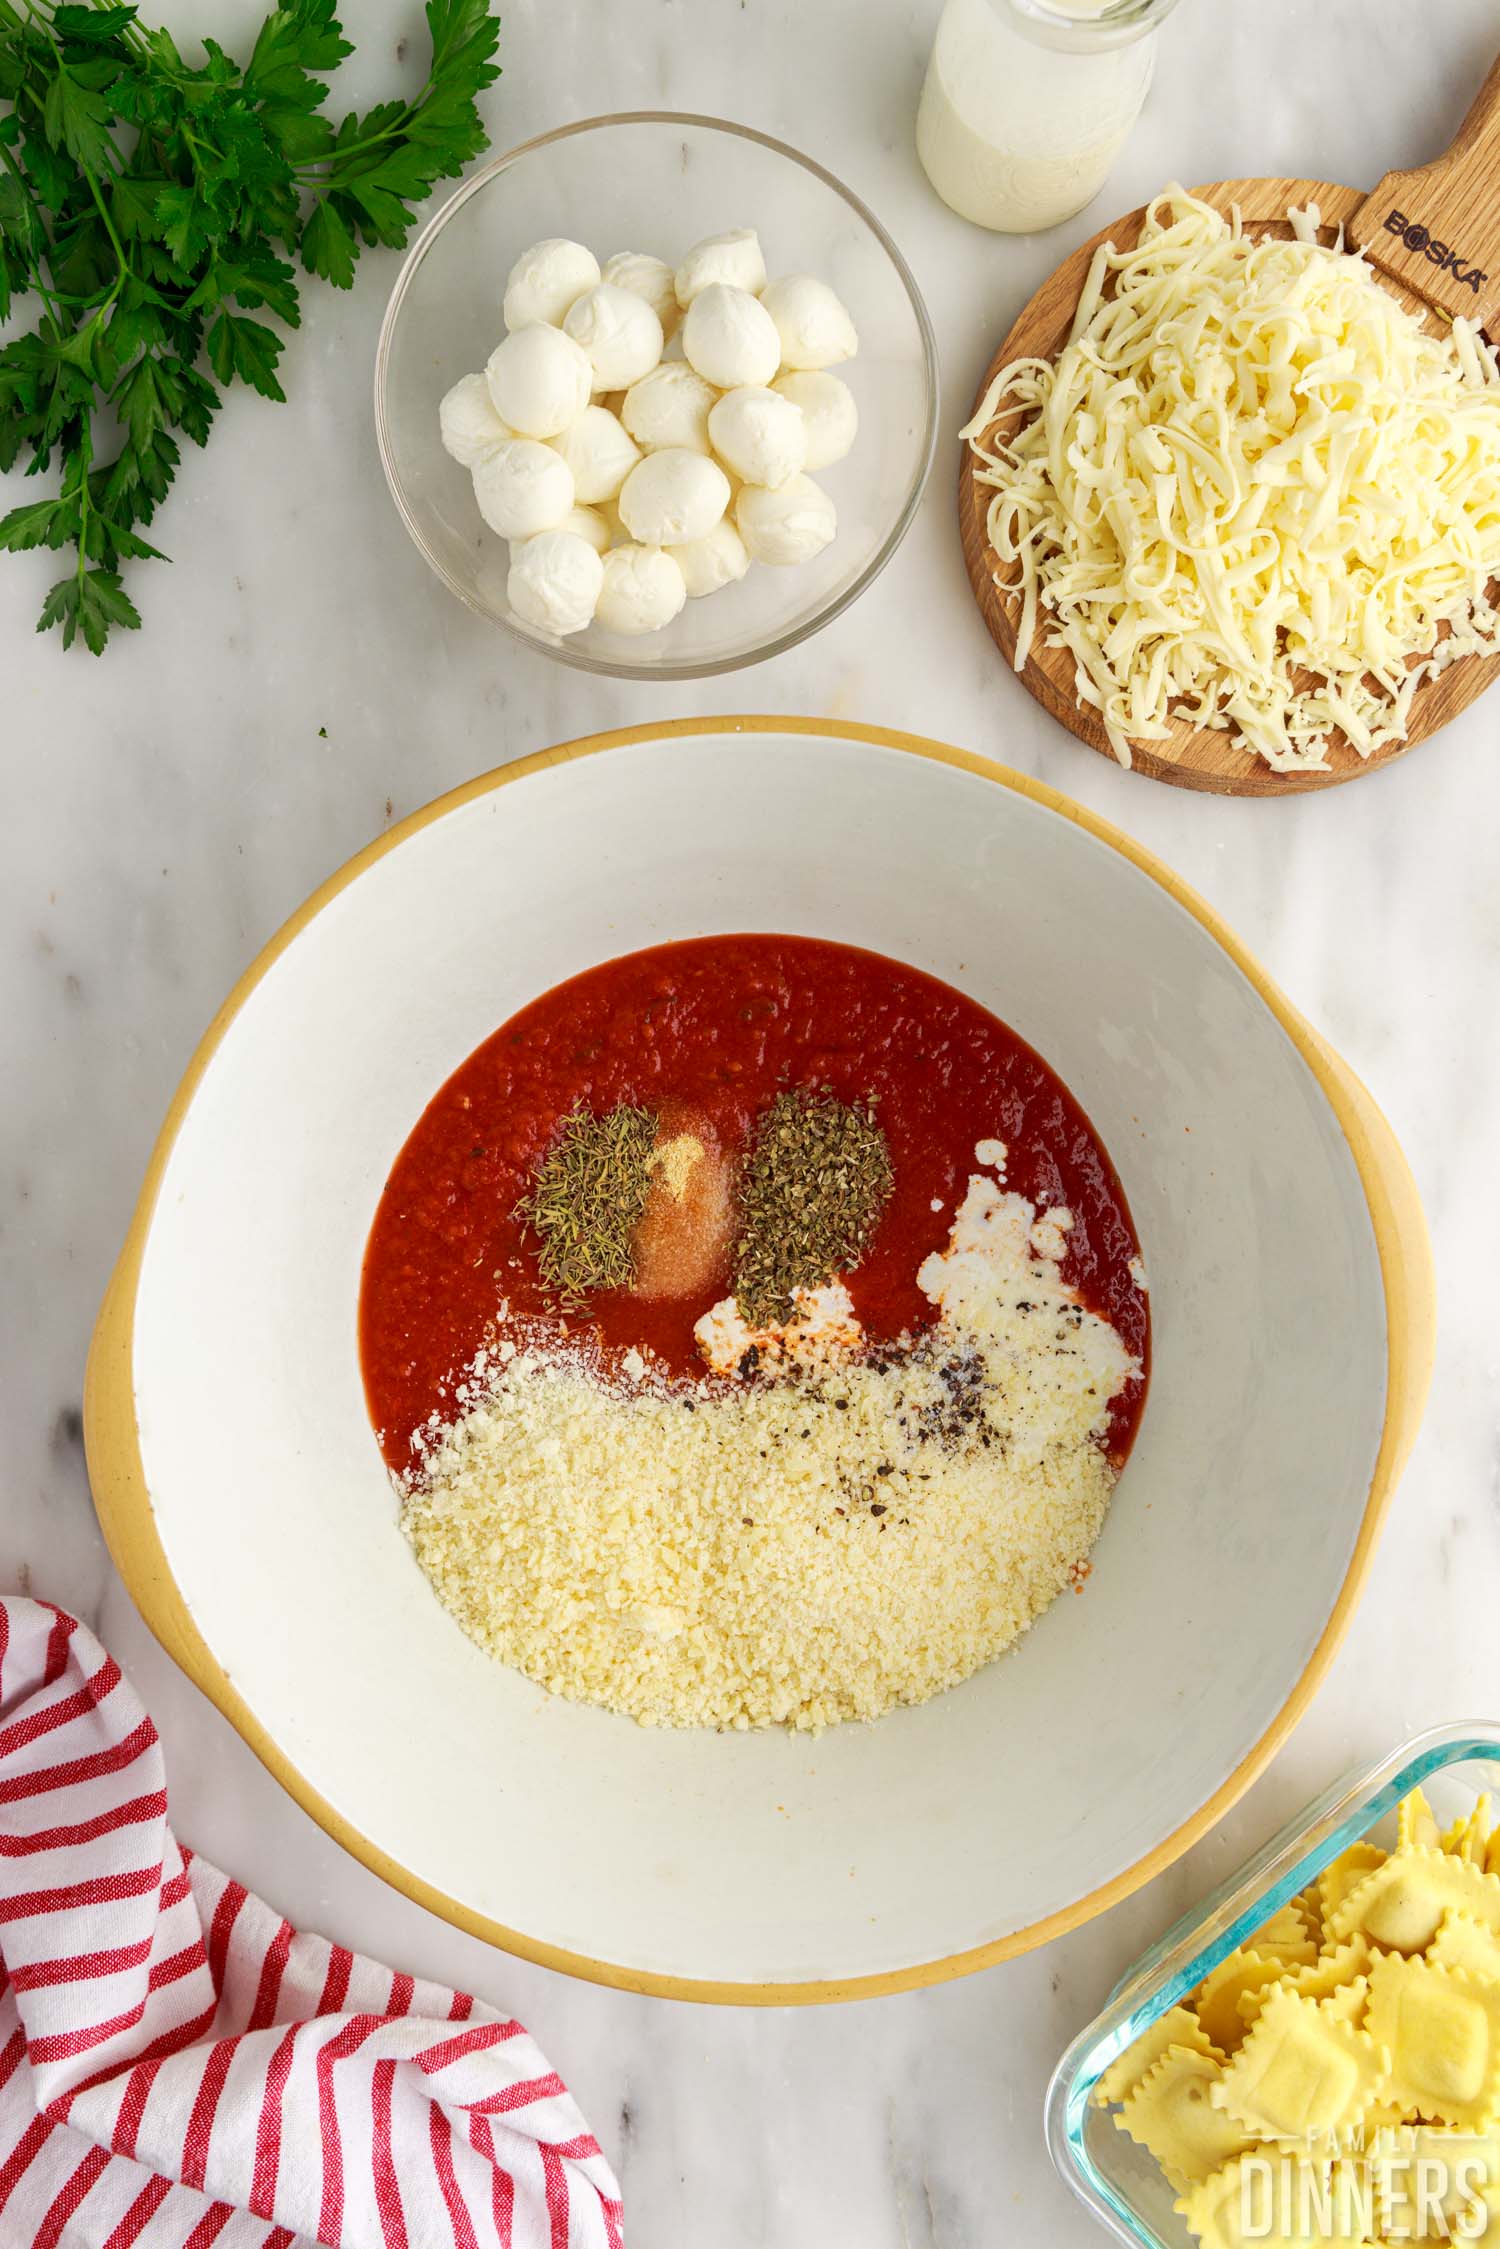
[
  {"x": 561, "y": 651},
  {"x": 123, "y": 1502}
]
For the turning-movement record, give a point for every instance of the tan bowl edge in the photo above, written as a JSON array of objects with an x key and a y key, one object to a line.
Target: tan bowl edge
[{"x": 123, "y": 1503}]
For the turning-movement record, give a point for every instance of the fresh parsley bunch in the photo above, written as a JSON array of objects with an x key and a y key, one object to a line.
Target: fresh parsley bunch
[{"x": 153, "y": 208}]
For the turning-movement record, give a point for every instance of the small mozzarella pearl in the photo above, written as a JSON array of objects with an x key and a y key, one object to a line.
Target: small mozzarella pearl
[
  {"x": 599, "y": 453},
  {"x": 814, "y": 328},
  {"x": 786, "y": 526},
  {"x": 670, "y": 406},
  {"x": 545, "y": 280},
  {"x": 539, "y": 380},
  {"x": 759, "y": 435},
  {"x": 673, "y": 496},
  {"x": 709, "y": 563},
  {"x": 554, "y": 582},
  {"x": 643, "y": 590},
  {"x": 589, "y": 524},
  {"x": 646, "y": 277},
  {"x": 828, "y": 411},
  {"x": 620, "y": 333},
  {"x": 523, "y": 487},
  {"x": 468, "y": 423},
  {"x": 731, "y": 258},
  {"x": 730, "y": 338}
]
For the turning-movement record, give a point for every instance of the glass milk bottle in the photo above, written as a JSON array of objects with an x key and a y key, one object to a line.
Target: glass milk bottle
[{"x": 1027, "y": 103}]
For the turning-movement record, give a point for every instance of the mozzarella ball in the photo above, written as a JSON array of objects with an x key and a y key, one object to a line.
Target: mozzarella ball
[
  {"x": 544, "y": 281},
  {"x": 643, "y": 590},
  {"x": 670, "y": 406},
  {"x": 709, "y": 563},
  {"x": 589, "y": 524},
  {"x": 828, "y": 412},
  {"x": 646, "y": 277},
  {"x": 673, "y": 496},
  {"x": 523, "y": 487},
  {"x": 599, "y": 453},
  {"x": 730, "y": 338},
  {"x": 814, "y": 328},
  {"x": 620, "y": 333},
  {"x": 539, "y": 380},
  {"x": 789, "y": 525},
  {"x": 758, "y": 435},
  {"x": 554, "y": 582},
  {"x": 609, "y": 515},
  {"x": 468, "y": 423},
  {"x": 731, "y": 258}
]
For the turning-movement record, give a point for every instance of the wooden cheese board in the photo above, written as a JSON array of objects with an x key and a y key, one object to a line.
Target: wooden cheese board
[{"x": 1456, "y": 200}]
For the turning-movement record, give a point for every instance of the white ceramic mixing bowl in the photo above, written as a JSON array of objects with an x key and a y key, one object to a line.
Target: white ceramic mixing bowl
[{"x": 246, "y": 1503}]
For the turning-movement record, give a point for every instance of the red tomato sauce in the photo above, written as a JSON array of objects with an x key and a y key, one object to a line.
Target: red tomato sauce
[{"x": 722, "y": 1024}]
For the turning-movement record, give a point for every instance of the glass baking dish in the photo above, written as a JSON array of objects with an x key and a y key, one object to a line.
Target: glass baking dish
[{"x": 1114, "y": 2177}]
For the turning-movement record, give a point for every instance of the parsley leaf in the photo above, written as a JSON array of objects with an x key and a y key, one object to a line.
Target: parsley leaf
[
  {"x": 297, "y": 41},
  {"x": 91, "y": 27},
  {"x": 44, "y": 523},
  {"x": 246, "y": 348},
  {"x": 150, "y": 209},
  {"x": 78, "y": 120},
  {"x": 90, "y": 603},
  {"x": 328, "y": 246}
]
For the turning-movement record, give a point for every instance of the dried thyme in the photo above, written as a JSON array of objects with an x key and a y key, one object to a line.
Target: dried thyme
[
  {"x": 817, "y": 1180},
  {"x": 587, "y": 1201}
]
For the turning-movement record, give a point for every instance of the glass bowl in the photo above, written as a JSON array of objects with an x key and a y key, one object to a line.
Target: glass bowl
[
  {"x": 656, "y": 181},
  {"x": 1114, "y": 2177}
]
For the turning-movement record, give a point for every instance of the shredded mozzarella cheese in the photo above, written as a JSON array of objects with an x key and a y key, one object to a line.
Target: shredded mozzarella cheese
[{"x": 1253, "y": 491}]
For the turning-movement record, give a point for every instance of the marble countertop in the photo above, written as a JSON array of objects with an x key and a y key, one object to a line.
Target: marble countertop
[{"x": 302, "y": 682}]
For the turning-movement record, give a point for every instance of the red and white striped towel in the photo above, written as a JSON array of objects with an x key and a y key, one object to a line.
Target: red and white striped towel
[{"x": 179, "y": 2067}]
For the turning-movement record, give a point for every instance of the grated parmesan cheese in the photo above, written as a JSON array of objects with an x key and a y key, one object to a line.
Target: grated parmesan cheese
[
  {"x": 858, "y": 1533},
  {"x": 1253, "y": 492}
]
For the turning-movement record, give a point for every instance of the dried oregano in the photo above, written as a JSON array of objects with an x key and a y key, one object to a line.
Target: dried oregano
[{"x": 817, "y": 1179}]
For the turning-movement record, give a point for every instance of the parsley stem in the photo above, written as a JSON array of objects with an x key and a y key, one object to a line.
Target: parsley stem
[
  {"x": 321, "y": 173},
  {"x": 85, "y": 497},
  {"x": 114, "y": 241}
]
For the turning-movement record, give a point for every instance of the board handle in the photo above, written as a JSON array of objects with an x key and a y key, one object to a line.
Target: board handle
[{"x": 1437, "y": 230}]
